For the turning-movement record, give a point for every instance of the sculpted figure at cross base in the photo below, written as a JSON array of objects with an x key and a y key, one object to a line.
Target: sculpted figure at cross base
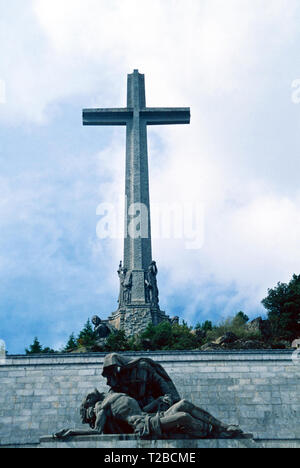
[
  {"x": 152, "y": 293},
  {"x": 144, "y": 401},
  {"x": 101, "y": 330},
  {"x": 125, "y": 278},
  {"x": 127, "y": 287},
  {"x": 122, "y": 275}
]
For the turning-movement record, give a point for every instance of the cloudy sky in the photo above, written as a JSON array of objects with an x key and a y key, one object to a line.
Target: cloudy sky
[{"x": 236, "y": 64}]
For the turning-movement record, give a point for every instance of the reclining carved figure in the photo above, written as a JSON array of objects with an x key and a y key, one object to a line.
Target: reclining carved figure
[
  {"x": 118, "y": 413},
  {"x": 144, "y": 401}
]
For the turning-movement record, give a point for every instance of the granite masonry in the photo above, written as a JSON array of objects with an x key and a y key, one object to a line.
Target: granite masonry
[
  {"x": 132, "y": 442},
  {"x": 257, "y": 390}
]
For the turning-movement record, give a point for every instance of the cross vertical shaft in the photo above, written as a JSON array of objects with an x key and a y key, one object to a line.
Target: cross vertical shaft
[
  {"x": 137, "y": 251},
  {"x": 138, "y": 298}
]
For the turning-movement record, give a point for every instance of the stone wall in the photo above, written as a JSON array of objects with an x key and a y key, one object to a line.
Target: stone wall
[
  {"x": 135, "y": 319},
  {"x": 129, "y": 442},
  {"x": 259, "y": 390}
]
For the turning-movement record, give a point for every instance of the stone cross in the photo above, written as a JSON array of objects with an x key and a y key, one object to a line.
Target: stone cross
[{"x": 136, "y": 117}]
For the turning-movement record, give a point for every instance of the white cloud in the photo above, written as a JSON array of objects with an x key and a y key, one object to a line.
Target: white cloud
[
  {"x": 53, "y": 50},
  {"x": 218, "y": 57}
]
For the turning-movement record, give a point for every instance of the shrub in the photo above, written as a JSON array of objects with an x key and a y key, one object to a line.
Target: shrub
[
  {"x": 234, "y": 325},
  {"x": 36, "y": 348},
  {"x": 168, "y": 337},
  {"x": 86, "y": 337},
  {"x": 283, "y": 306},
  {"x": 117, "y": 342}
]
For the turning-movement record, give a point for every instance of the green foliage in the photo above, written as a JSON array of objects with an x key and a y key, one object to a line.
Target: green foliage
[
  {"x": 160, "y": 335},
  {"x": 283, "y": 306},
  {"x": 48, "y": 351},
  {"x": 240, "y": 319},
  {"x": 201, "y": 330},
  {"x": 205, "y": 327},
  {"x": 182, "y": 338},
  {"x": 86, "y": 337},
  {"x": 36, "y": 348},
  {"x": 236, "y": 325},
  {"x": 72, "y": 344},
  {"x": 168, "y": 337},
  {"x": 118, "y": 342}
]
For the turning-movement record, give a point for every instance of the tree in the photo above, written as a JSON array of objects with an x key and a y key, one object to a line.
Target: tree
[
  {"x": 283, "y": 306},
  {"x": 48, "y": 351},
  {"x": 240, "y": 319},
  {"x": 182, "y": 338},
  {"x": 166, "y": 336},
  {"x": 117, "y": 342},
  {"x": 72, "y": 344},
  {"x": 205, "y": 327},
  {"x": 160, "y": 336},
  {"x": 35, "y": 348},
  {"x": 87, "y": 337}
]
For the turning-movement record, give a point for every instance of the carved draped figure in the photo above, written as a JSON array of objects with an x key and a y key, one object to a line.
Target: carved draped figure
[
  {"x": 142, "y": 379},
  {"x": 143, "y": 400}
]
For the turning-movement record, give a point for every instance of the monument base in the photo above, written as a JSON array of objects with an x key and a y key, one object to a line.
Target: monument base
[
  {"x": 113, "y": 442},
  {"x": 135, "y": 318}
]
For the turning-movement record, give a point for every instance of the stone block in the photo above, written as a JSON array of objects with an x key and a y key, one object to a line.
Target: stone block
[
  {"x": 129, "y": 442},
  {"x": 263, "y": 406},
  {"x": 86, "y": 372}
]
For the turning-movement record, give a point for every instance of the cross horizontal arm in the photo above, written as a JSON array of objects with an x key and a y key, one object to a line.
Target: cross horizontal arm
[
  {"x": 106, "y": 116},
  {"x": 166, "y": 115}
]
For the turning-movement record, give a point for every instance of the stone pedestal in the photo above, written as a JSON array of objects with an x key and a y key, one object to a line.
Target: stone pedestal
[
  {"x": 111, "y": 442},
  {"x": 134, "y": 318}
]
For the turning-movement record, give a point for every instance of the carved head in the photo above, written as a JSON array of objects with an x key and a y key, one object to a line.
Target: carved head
[
  {"x": 92, "y": 398},
  {"x": 87, "y": 407},
  {"x": 96, "y": 320},
  {"x": 152, "y": 266},
  {"x": 112, "y": 375}
]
